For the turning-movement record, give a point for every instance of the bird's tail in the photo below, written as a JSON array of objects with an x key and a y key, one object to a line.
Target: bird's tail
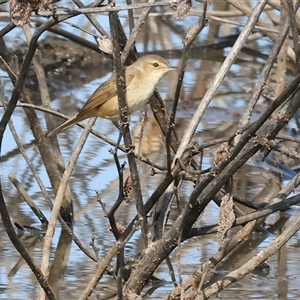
[{"x": 64, "y": 126}]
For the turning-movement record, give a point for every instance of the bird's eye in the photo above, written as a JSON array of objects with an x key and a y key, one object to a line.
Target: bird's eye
[{"x": 155, "y": 65}]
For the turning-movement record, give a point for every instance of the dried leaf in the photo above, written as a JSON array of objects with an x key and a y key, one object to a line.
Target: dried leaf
[
  {"x": 222, "y": 153},
  {"x": 21, "y": 10},
  {"x": 182, "y": 7},
  {"x": 128, "y": 188},
  {"x": 105, "y": 44},
  {"x": 191, "y": 33},
  {"x": 226, "y": 218}
]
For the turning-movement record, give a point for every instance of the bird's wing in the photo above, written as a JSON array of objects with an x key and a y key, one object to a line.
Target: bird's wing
[{"x": 104, "y": 93}]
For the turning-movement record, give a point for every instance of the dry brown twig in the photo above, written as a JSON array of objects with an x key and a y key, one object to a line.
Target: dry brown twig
[{"x": 219, "y": 77}]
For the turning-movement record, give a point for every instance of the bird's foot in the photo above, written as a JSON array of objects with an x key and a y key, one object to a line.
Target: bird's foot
[{"x": 130, "y": 149}]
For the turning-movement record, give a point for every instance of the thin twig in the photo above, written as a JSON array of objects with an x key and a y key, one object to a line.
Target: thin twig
[
  {"x": 121, "y": 84},
  {"x": 28, "y": 200},
  {"x": 101, "y": 267},
  {"x": 244, "y": 121},
  {"x": 93, "y": 132},
  {"x": 45, "y": 97},
  {"x": 282, "y": 205},
  {"x": 188, "y": 41},
  {"x": 136, "y": 29},
  {"x": 120, "y": 169},
  {"x": 130, "y": 16},
  {"x": 92, "y": 19},
  {"x": 41, "y": 185},
  {"x": 104, "y": 263},
  {"x": 251, "y": 264},
  {"x": 6, "y": 29},
  {"x": 219, "y": 77},
  {"x": 292, "y": 10},
  {"x": 23, "y": 152},
  {"x": 212, "y": 262},
  {"x": 3, "y": 123},
  {"x": 247, "y": 10},
  {"x": 60, "y": 195},
  {"x": 74, "y": 12}
]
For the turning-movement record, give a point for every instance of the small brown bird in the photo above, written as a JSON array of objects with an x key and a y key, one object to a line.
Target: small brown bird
[{"x": 141, "y": 79}]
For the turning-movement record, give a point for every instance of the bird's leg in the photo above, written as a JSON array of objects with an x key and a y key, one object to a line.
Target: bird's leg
[
  {"x": 129, "y": 147},
  {"x": 121, "y": 134},
  {"x": 119, "y": 139},
  {"x": 117, "y": 124}
]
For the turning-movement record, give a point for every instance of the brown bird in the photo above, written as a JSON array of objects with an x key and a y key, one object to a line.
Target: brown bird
[{"x": 141, "y": 79}]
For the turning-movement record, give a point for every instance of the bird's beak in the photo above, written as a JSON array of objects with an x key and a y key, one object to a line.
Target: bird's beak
[{"x": 173, "y": 69}]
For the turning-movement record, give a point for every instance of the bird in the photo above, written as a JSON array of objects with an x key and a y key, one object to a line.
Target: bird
[{"x": 141, "y": 79}]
